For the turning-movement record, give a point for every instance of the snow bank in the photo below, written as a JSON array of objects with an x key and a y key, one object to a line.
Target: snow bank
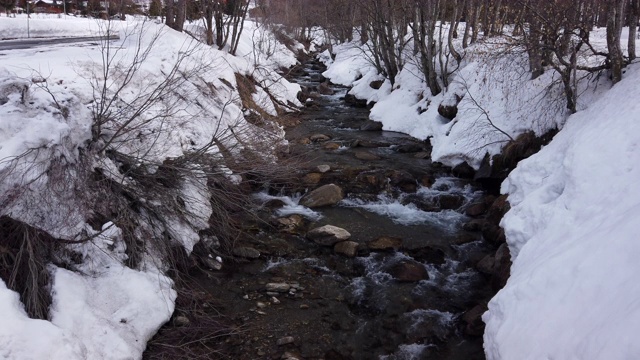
[
  {"x": 572, "y": 231},
  {"x": 102, "y": 309},
  {"x": 498, "y": 98}
]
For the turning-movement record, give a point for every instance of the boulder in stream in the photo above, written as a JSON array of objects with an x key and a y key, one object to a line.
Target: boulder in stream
[
  {"x": 384, "y": 243},
  {"x": 325, "y": 195},
  {"x": 408, "y": 271},
  {"x": 365, "y": 155},
  {"x": 328, "y": 235},
  {"x": 347, "y": 248},
  {"x": 371, "y": 125}
]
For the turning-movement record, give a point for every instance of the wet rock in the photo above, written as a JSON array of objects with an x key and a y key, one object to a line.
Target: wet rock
[
  {"x": 274, "y": 204},
  {"x": 403, "y": 180},
  {"x": 328, "y": 235},
  {"x": 498, "y": 208},
  {"x": 408, "y": 148},
  {"x": 312, "y": 178},
  {"x": 465, "y": 238},
  {"x": 371, "y": 125},
  {"x": 318, "y": 78},
  {"x": 368, "y": 144},
  {"x": 246, "y": 252},
  {"x": 285, "y": 340},
  {"x": 476, "y": 209},
  {"x": 408, "y": 271},
  {"x": 473, "y": 225},
  {"x": 450, "y": 201},
  {"x": 384, "y": 243},
  {"x": 463, "y": 170},
  {"x": 324, "y": 168},
  {"x": 367, "y": 156},
  {"x": 324, "y": 89},
  {"x": 347, "y": 248},
  {"x": 319, "y": 137},
  {"x": 376, "y": 84},
  {"x": 277, "y": 287},
  {"x": 290, "y": 224},
  {"x": 474, "y": 326},
  {"x": 486, "y": 265},
  {"x": 427, "y": 180},
  {"x": 501, "y": 268},
  {"x": 371, "y": 182},
  {"x": 422, "y": 155},
  {"x": 493, "y": 234},
  {"x": 428, "y": 254},
  {"x": 304, "y": 141},
  {"x": 325, "y": 195},
  {"x": 352, "y": 100},
  {"x": 331, "y": 146}
]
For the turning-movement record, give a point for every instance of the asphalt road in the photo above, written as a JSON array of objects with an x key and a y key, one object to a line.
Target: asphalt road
[{"x": 30, "y": 43}]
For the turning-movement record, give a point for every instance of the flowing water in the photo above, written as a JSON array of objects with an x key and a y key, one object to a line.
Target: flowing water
[{"x": 355, "y": 308}]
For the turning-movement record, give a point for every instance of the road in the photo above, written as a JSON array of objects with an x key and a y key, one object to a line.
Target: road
[{"x": 30, "y": 43}]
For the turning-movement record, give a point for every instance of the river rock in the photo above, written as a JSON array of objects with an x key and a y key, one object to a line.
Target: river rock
[
  {"x": 486, "y": 265},
  {"x": 274, "y": 204},
  {"x": 463, "y": 170},
  {"x": 450, "y": 201},
  {"x": 325, "y": 195},
  {"x": 312, "y": 178},
  {"x": 324, "y": 89},
  {"x": 323, "y": 168},
  {"x": 371, "y": 125},
  {"x": 367, "y": 156},
  {"x": 285, "y": 340},
  {"x": 290, "y": 224},
  {"x": 318, "y": 78},
  {"x": 408, "y": 271},
  {"x": 347, "y": 248},
  {"x": 493, "y": 233},
  {"x": 408, "y": 148},
  {"x": 473, "y": 225},
  {"x": 472, "y": 319},
  {"x": 384, "y": 243},
  {"x": 501, "y": 268},
  {"x": 331, "y": 146},
  {"x": 319, "y": 137},
  {"x": 328, "y": 235},
  {"x": 476, "y": 209},
  {"x": 277, "y": 287},
  {"x": 498, "y": 208},
  {"x": 246, "y": 252}
]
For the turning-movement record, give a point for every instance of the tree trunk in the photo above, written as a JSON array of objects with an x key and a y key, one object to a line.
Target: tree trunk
[
  {"x": 633, "y": 28},
  {"x": 615, "y": 19}
]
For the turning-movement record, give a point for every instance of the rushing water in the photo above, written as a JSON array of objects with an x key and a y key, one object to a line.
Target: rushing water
[{"x": 387, "y": 319}]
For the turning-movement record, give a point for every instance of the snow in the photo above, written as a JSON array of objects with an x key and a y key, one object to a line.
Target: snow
[
  {"x": 101, "y": 308},
  {"x": 572, "y": 232},
  {"x": 499, "y": 101}
]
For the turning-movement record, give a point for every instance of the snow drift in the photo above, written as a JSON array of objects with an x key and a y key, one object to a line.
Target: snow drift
[{"x": 572, "y": 231}]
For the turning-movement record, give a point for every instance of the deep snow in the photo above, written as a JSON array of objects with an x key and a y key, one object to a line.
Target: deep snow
[
  {"x": 104, "y": 310},
  {"x": 572, "y": 232}
]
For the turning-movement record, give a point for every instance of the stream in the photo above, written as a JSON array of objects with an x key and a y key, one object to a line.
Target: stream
[{"x": 413, "y": 276}]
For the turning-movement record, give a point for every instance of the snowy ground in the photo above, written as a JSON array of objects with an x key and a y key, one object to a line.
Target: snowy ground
[
  {"x": 499, "y": 85},
  {"x": 572, "y": 230},
  {"x": 47, "y": 101}
]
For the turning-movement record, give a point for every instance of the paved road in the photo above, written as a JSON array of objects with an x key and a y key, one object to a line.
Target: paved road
[{"x": 30, "y": 43}]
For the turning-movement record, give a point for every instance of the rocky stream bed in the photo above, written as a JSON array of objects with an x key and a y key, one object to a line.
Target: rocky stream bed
[{"x": 393, "y": 257}]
